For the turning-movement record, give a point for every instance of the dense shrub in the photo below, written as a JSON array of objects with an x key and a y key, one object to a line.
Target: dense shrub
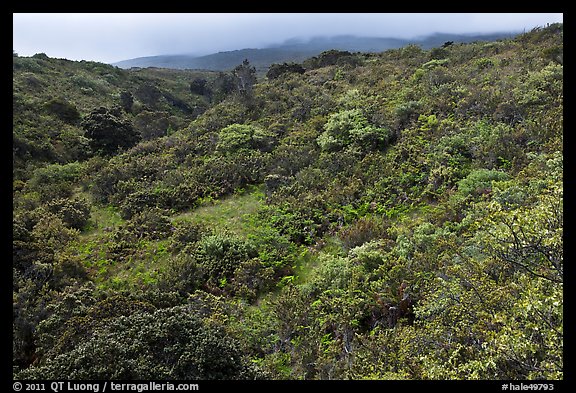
[
  {"x": 186, "y": 234},
  {"x": 351, "y": 127},
  {"x": 236, "y": 137},
  {"x": 151, "y": 125},
  {"x": 220, "y": 255},
  {"x": 170, "y": 343},
  {"x": 74, "y": 212},
  {"x": 108, "y": 132},
  {"x": 479, "y": 182},
  {"x": 63, "y": 109},
  {"x": 148, "y": 94},
  {"x": 276, "y": 70},
  {"x": 331, "y": 57}
]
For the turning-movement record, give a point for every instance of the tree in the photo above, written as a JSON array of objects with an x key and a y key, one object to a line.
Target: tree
[
  {"x": 148, "y": 94},
  {"x": 245, "y": 75},
  {"x": 223, "y": 85},
  {"x": 276, "y": 70},
  {"x": 126, "y": 101},
  {"x": 151, "y": 125},
  {"x": 331, "y": 57},
  {"x": 109, "y": 133},
  {"x": 199, "y": 86}
]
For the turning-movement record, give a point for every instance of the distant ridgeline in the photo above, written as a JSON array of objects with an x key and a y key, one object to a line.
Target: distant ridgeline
[{"x": 298, "y": 51}]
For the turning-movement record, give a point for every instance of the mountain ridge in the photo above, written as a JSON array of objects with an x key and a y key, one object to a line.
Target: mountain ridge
[{"x": 297, "y": 50}]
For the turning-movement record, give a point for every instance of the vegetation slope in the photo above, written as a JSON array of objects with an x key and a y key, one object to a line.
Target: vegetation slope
[{"x": 394, "y": 215}]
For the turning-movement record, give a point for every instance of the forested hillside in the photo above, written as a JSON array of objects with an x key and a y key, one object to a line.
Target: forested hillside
[{"x": 394, "y": 215}]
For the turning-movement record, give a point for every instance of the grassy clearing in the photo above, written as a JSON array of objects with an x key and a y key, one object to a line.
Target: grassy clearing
[
  {"x": 237, "y": 214},
  {"x": 103, "y": 219},
  {"x": 138, "y": 270},
  {"x": 93, "y": 248}
]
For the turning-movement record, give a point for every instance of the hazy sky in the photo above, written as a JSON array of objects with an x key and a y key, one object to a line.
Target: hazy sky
[{"x": 113, "y": 37}]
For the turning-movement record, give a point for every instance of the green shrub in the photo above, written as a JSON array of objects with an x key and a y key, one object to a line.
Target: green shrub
[
  {"x": 361, "y": 231},
  {"x": 63, "y": 109},
  {"x": 220, "y": 254},
  {"x": 151, "y": 125},
  {"x": 181, "y": 274},
  {"x": 74, "y": 212},
  {"x": 150, "y": 223},
  {"x": 276, "y": 70},
  {"x": 158, "y": 344},
  {"x": 236, "y": 137},
  {"x": 108, "y": 132},
  {"x": 55, "y": 180},
  {"x": 186, "y": 233},
  {"x": 148, "y": 94},
  {"x": 351, "y": 127},
  {"x": 479, "y": 182}
]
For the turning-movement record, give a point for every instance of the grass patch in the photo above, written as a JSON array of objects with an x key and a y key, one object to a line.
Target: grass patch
[
  {"x": 103, "y": 219},
  {"x": 138, "y": 270},
  {"x": 237, "y": 213},
  {"x": 305, "y": 263}
]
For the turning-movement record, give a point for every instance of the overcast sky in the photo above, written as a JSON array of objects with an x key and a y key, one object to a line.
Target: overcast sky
[{"x": 113, "y": 37}]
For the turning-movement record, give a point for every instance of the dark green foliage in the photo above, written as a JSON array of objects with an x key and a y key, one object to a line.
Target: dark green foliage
[
  {"x": 199, "y": 86},
  {"x": 363, "y": 231},
  {"x": 126, "y": 101},
  {"x": 75, "y": 213},
  {"x": 276, "y": 70},
  {"x": 148, "y": 94},
  {"x": 42, "y": 55},
  {"x": 177, "y": 103},
  {"x": 150, "y": 223},
  {"x": 251, "y": 278},
  {"x": 330, "y": 58},
  {"x": 223, "y": 85},
  {"x": 186, "y": 234},
  {"x": 147, "y": 224},
  {"x": 63, "y": 109},
  {"x": 151, "y": 125},
  {"x": 183, "y": 275},
  {"x": 163, "y": 344},
  {"x": 108, "y": 132}
]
